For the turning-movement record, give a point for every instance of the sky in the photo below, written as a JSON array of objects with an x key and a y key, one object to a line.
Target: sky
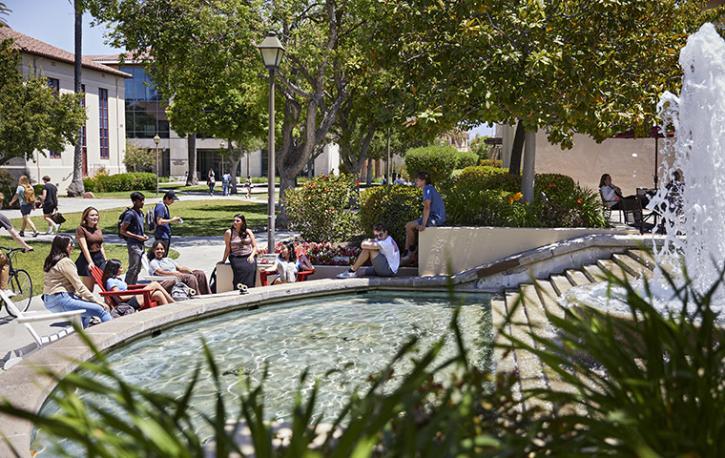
[{"x": 52, "y": 22}]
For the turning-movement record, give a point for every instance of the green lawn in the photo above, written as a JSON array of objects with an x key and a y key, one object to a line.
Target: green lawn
[{"x": 201, "y": 217}]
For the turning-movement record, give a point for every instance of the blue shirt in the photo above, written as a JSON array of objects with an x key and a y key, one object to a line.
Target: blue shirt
[
  {"x": 437, "y": 209},
  {"x": 114, "y": 282},
  {"x": 134, "y": 219},
  {"x": 163, "y": 231}
]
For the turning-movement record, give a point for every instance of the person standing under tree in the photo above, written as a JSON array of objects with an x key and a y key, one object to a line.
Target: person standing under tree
[
  {"x": 49, "y": 198},
  {"x": 25, "y": 196},
  {"x": 131, "y": 230},
  {"x": 163, "y": 219},
  {"x": 211, "y": 181},
  {"x": 226, "y": 182},
  {"x": 434, "y": 214},
  {"x": 249, "y": 187}
]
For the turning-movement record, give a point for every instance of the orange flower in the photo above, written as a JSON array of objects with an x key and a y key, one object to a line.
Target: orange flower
[
  {"x": 579, "y": 201},
  {"x": 518, "y": 196}
]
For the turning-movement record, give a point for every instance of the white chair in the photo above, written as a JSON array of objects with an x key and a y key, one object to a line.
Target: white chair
[{"x": 27, "y": 318}]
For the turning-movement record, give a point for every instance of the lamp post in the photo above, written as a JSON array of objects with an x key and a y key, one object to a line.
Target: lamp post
[
  {"x": 272, "y": 50},
  {"x": 157, "y": 140},
  {"x": 222, "y": 147}
]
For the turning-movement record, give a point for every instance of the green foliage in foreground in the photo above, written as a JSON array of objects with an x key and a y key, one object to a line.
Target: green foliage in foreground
[{"x": 647, "y": 386}]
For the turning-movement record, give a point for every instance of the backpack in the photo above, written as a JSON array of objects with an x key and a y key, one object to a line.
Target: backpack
[
  {"x": 29, "y": 195},
  {"x": 181, "y": 292},
  {"x": 120, "y": 222},
  {"x": 150, "y": 223}
]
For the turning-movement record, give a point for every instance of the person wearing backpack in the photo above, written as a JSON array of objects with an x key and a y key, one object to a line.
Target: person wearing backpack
[
  {"x": 25, "y": 196},
  {"x": 162, "y": 220},
  {"x": 130, "y": 228}
]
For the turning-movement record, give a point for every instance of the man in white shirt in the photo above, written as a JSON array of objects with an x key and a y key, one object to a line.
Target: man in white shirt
[{"x": 381, "y": 251}]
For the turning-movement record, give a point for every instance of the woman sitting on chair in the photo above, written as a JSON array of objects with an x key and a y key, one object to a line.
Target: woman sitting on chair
[
  {"x": 113, "y": 282},
  {"x": 161, "y": 265},
  {"x": 288, "y": 264}
]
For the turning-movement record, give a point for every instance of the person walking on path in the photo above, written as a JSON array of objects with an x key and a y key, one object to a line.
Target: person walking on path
[
  {"x": 4, "y": 267},
  {"x": 63, "y": 290},
  {"x": 241, "y": 250},
  {"x": 211, "y": 181},
  {"x": 226, "y": 182},
  {"x": 434, "y": 214},
  {"x": 49, "y": 198},
  {"x": 131, "y": 230},
  {"x": 249, "y": 187},
  {"x": 163, "y": 266},
  {"x": 89, "y": 238},
  {"x": 163, "y": 219},
  {"x": 381, "y": 251},
  {"x": 25, "y": 196}
]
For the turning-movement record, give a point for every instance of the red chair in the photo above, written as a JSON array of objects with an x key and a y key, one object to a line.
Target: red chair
[
  {"x": 301, "y": 276},
  {"x": 109, "y": 296}
]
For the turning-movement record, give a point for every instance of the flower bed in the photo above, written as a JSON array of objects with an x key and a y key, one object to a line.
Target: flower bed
[{"x": 323, "y": 253}]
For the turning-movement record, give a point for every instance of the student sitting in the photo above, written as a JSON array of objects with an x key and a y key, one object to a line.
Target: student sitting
[
  {"x": 288, "y": 264},
  {"x": 113, "y": 282},
  {"x": 381, "y": 251},
  {"x": 161, "y": 265},
  {"x": 63, "y": 289}
]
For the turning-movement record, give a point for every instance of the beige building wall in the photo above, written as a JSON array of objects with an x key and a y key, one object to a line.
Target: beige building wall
[{"x": 60, "y": 169}]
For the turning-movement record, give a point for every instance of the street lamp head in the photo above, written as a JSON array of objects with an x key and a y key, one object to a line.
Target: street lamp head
[
  {"x": 272, "y": 51},
  {"x": 222, "y": 144},
  {"x": 157, "y": 139}
]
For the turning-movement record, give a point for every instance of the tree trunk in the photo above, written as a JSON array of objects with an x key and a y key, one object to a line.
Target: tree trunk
[
  {"x": 517, "y": 149},
  {"x": 76, "y": 186},
  {"x": 286, "y": 181},
  {"x": 235, "y": 161},
  {"x": 191, "y": 177},
  {"x": 528, "y": 176},
  {"x": 369, "y": 174}
]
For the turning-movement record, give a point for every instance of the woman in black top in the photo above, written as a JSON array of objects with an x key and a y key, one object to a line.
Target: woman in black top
[{"x": 49, "y": 198}]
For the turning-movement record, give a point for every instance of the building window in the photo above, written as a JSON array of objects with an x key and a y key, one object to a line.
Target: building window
[
  {"x": 145, "y": 110},
  {"x": 84, "y": 145},
  {"x": 103, "y": 121},
  {"x": 54, "y": 85}
]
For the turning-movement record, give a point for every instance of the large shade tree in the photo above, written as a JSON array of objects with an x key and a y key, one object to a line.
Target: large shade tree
[{"x": 570, "y": 66}]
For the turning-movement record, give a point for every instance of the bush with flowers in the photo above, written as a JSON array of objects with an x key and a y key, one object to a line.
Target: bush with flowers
[
  {"x": 321, "y": 209},
  {"x": 489, "y": 196},
  {"x": 322, "y": 253}
]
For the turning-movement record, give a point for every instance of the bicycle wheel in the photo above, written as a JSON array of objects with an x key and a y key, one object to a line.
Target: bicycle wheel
[{"x": 22, "y": 286}]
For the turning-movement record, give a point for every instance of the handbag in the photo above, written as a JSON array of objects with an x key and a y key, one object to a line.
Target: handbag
[
  {"x": 122, "y": 309},
  {"x": 58, "y": 218},
  {"x": 181, "y": 292}
]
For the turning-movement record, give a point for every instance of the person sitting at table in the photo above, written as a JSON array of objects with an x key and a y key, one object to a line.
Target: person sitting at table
[
  {"x": 612, "y": 194},
  {"x": 161, "y": 265},
  {"x": 113, "y": 281}
]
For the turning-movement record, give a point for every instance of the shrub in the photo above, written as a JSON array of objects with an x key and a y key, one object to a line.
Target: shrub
[
  {"x": 392, "y": 206},
  {"x": 121, "y": 182},
  {"x": 464, "y": 159},
  {"x": 320, "y": 209},
  {"x": 487, "y": 207},
  {"x": 438, "y": 161},
  {"x": 139, "y": 159},
  {"x": 491, "y": 163},
  {"x": 481, "y": 177},
  {"x": 7, "y": 186}
]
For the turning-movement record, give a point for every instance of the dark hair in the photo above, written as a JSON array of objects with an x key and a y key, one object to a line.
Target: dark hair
[
  {"x": 380, "y": 227},
  {"x": 677, "y": 175},
  {"x": 137, "y": 196},
  {"x": 291, "y": 249},
  {"x": 424, "y": 176},
  {"x": 58, "y": 251},
  {"x": 243, "y": 229},
  {"x": 601, "y": 180},
  {"x": 111, "y": 270},
  {"x": 151, "y": 254},
  {"x": 46, "y": 178}
]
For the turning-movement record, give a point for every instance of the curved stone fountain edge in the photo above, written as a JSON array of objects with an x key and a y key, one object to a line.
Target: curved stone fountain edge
[{"x": 24, "y": 387}]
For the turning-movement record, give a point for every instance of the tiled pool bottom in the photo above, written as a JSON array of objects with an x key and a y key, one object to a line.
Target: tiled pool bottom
[{"x": 355, "y": 334}]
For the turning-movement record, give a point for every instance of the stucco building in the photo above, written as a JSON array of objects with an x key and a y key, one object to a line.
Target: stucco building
[{"x": 104, "y": 135}]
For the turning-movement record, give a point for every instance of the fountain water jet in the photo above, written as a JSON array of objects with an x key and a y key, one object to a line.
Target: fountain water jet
[{"x": 698, "y": 151}]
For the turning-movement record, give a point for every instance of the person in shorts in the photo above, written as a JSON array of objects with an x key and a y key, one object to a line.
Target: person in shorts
[
  {"x": 381, "y": 251},
  {"x": 434, "y": 214},
  {"x": 25, "y": 196},
  {"x": 49, "y": 198}
]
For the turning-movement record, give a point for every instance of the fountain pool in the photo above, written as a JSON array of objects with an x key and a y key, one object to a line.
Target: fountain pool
[{"x": 357, "y": 334}]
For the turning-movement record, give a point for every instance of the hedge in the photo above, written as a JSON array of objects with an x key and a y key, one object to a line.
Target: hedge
[
  {"x": 392, "y": 206},
  {"x": 121, "y": 182},
  {"x": 438, "y": 161},
  {"x": 466, "y": 159}
]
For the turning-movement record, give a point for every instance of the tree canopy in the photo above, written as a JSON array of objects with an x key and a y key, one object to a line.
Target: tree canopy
[{"x": 32, "y": 116}]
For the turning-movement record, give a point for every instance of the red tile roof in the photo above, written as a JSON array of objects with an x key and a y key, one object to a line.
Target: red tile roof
[{"x": 30, "y": 45}]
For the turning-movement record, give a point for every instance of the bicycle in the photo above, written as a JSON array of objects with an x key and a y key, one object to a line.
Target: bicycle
[{"x": 19, "y": 282}]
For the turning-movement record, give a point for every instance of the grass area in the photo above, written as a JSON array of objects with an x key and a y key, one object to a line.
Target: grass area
[{"x": 201, "y": 217}]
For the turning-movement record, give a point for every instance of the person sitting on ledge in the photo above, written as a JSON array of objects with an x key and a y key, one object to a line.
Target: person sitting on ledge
[
  {"x": 286, "y": 265},
  {"x": 113, "y": 282},
  {"x": 434, "y": 214},
  {"x": 381, "y": 251},
  {"x": 161, "y": 265}
]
